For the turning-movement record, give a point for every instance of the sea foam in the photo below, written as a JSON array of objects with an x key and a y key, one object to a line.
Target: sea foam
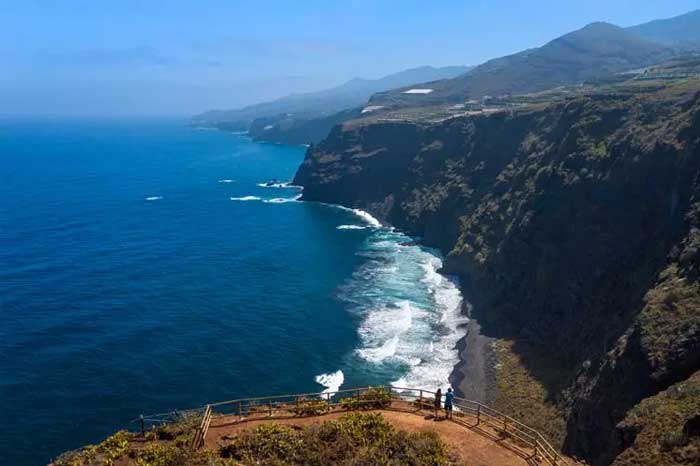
[
  {"x": 154, "y": 198},
  {"x": 410, "y": 315},
  {"x": 367, "y": 218},
  {"x": 282, "y": 200},
  {"x": 331, "y": 381},
  {"x": 350, "y": 227},
  {"x": 245, "y": 198},
  {"x": 285, "y": 185}
]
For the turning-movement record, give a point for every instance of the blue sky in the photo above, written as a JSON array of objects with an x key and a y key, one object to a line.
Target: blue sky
[{"x": 180, "y": 57}]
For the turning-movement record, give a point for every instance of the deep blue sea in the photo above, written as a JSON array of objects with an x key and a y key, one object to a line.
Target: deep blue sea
[{"x": 144, "y": 268}]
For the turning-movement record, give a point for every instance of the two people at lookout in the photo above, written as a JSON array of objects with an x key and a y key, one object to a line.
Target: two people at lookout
[{"x": 449, "y": 396}]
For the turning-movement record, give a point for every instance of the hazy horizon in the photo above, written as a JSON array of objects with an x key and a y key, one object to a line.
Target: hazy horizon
[{"x": 135, "y": 58}]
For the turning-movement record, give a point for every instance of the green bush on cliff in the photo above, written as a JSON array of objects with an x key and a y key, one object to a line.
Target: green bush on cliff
[
  {"x": 662, "y": 428},
  {"x": 372, "y": 398},
  {"x": 311, "y": 408},
  {"x": 104, "y": 453},
  {"x": 157, "y": 455}
]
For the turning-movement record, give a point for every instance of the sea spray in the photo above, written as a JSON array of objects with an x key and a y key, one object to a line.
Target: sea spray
[{"x": 331, "y": 381}]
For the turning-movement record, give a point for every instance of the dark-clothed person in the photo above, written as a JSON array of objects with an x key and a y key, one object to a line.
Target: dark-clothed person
[
  {"x": 449, "y": 396},
  {"x": 438, "y": 400}
]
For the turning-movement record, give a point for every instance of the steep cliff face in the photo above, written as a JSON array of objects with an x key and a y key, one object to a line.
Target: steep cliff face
[{"x": 575, "y": 227}]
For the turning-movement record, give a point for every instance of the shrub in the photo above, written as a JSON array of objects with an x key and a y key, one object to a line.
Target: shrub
[
  {"x": 372, "y": 398},
  {"x": 355, "y": 439},
  {"x": 311, "y": 408},
  {"x": 104, "y": 453},
  {"x": 156, "y": 454},
  {"x": 265, "y": 442}
]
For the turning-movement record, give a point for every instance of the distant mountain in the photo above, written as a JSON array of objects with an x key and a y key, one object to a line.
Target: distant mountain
[
  {"x": 682, "y": 31},
  {"x": 597, "y": 50},
  {"x": 324, "y": 103}
]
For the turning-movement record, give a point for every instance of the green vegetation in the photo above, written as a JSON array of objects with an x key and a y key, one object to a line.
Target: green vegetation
[
  {"x": 356, "y": 439},
  {"x": 103, "y": 454},
  {"x": 661, "y": 428},
  {"x": 311, "y": 407},
  {"x": 526, "y": 397},
  {"x": 157, "y": 455},
  {"x": 372, "y": 398}
]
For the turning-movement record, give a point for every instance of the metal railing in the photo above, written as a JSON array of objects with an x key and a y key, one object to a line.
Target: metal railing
[{"x": 470, "y": 414}]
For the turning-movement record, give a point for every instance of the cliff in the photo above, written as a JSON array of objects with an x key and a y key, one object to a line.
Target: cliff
[{"x": 575, "y": 229}]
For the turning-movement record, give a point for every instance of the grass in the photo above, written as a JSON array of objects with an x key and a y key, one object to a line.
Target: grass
[{"x": 524, "y": 396}]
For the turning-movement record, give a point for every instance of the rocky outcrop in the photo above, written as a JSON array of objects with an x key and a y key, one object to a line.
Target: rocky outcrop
[{"x": 574, "y": 227}]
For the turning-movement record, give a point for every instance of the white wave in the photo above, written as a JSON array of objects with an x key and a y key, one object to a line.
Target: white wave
[
  {"x": 282, "y": 200},
  {"x": 285, "y": 185},
  {"x": 246, "y": 198},
  {"x": 331, "y": 381},
  {"x": 350, "y": 227},
  {"x": 367, "y": 218},
  {"x": 154, "y": 198},
  {"x": 434, "y": 370},
  {"x": 382, "y": 329},
  {"x": 226, "y": 181},
  {"x": 410, "y": 315}
]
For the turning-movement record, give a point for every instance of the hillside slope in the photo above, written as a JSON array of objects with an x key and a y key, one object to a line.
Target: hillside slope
[
  {"x": 575, "y": 228},
  {"x": 323, "y": 103},
  {"x": 597, "y": 50},
  {"x": 683, "y": 30}
]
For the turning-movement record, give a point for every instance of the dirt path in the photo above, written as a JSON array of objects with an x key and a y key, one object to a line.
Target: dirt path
[{"x": 473, "y": 448}]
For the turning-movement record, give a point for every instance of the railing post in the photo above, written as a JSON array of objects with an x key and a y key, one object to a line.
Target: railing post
[
  {"x": 420, "y": 400},
  {"x": 269, "y": 407},
  {"x": 143, "y": 426},
  {"x": 328, "y": 399},
  {"x": 240, "y": 410},
  {"x": 478, "y": 414}
]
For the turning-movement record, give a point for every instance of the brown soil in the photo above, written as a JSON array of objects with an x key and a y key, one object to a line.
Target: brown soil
[{"x": 474, "y": 446}]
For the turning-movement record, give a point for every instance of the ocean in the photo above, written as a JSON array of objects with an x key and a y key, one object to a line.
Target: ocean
[{"x": 147, "y": 266}]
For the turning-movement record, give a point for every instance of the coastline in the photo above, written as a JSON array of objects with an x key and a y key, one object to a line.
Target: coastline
[{"x": 473, "y": 377}]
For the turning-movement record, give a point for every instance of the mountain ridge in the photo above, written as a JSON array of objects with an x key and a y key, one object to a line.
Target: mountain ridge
[
  {"x": 318, "y": 104},
  {"x": 683, "y": 30},
  {"x": 595, "y": 50}
]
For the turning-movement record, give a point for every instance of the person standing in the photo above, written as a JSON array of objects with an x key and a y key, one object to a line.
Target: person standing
[
  {"x": 449, "y": 396},
  {"x": 438, "y": 401}
]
